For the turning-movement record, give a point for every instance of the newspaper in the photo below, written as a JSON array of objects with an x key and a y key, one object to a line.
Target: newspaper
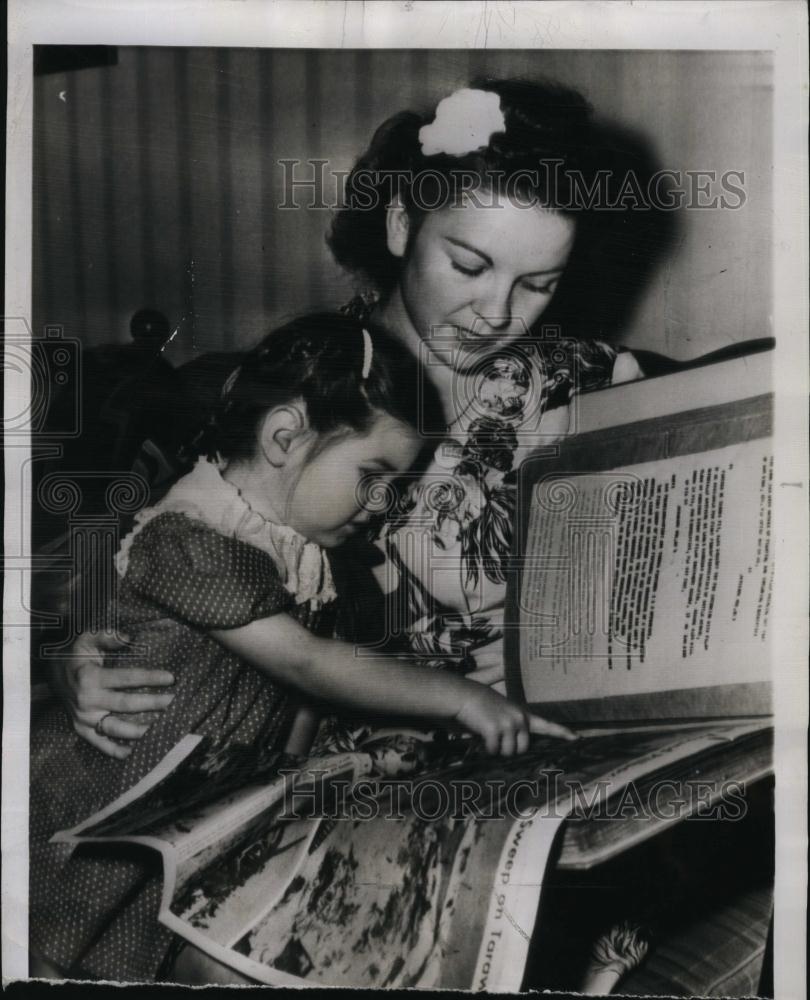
[
  {"x": 645, "y": 573},
  {"x": 409, "y": 862}
]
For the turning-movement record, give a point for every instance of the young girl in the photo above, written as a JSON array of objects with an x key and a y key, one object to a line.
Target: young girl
[{"x": 225, "y": 583}]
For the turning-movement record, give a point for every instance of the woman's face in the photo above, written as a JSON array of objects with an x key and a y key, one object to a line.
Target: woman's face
[{"x": 475, "y": 278}]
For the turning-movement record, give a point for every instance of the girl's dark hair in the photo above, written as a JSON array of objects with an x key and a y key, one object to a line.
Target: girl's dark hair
[
  {"x": 547, "y": 137},
  {"x": 319, "y": 359}
]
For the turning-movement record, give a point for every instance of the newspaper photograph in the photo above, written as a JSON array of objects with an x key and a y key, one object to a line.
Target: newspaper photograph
[
  {"x": 405, "y": 464},
  {"x": 378, "y": 858}
]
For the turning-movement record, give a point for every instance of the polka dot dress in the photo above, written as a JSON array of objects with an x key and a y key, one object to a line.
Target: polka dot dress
[{"x": 93, "y": 909}]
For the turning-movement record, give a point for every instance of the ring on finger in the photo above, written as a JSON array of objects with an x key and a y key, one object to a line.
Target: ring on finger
[{"x": 99, "y": 727}]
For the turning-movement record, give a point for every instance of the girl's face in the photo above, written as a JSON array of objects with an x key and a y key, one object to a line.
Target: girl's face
[
  {"x": 476, "y": 277},
  {"x": 327, "y": 503}
]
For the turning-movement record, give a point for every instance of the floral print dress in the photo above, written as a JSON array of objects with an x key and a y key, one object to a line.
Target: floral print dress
[{"x": 448, "y": 536}]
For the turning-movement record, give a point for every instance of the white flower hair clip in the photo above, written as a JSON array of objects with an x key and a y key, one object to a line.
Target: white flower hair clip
[{"x": 465, "y": 121}]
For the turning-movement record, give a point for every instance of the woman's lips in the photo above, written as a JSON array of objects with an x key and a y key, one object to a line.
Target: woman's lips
[
  {"x": 470, "y": 341},
  {"x": 465, "y": 334}
]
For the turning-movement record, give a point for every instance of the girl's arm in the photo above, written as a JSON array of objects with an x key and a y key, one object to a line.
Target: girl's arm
[{"x": 331, "y": 670}]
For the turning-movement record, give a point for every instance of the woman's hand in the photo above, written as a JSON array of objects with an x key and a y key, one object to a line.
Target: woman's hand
[
  {"x": 504, "y": 726},
  {"x": 93, "y": 693},
  {"x": 625, "y": 369},
  {"x": 489, "y": 666},
  {"x": 555, "y": 425}
]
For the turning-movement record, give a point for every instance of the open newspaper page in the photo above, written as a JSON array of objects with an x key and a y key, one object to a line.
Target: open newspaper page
[
  {"x": 411, "y": 862},
  {"x": 279, "y": 881},
  {"x": 200, "y": 805},
  {"x": 645, "y": 557}
]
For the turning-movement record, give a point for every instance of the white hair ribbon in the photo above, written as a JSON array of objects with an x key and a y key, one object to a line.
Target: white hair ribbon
[
  {"x": 230, "y": 381},
  {"x": 368, "y": 354}
]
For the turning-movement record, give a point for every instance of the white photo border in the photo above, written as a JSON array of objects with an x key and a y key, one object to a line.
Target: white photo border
[{"x": 778, "y": 27}]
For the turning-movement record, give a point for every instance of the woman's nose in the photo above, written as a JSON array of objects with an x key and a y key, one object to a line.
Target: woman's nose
[{"x": 494, "y": 306}]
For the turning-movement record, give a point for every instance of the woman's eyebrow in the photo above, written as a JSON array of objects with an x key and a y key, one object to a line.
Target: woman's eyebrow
[{"x": 466, "y": 246}]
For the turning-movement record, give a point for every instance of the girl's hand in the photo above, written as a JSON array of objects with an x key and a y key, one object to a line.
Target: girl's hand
[
  {"x": 504, "y": 726},
  {"x": 92, "y": 693}
]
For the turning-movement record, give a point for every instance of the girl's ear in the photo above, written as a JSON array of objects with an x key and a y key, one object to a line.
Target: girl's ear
[
  {"x": 397, "y": 225},
  {"x": 283, "y": 430}
]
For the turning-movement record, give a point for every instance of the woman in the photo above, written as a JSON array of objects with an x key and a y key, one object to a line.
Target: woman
[
  {"x": 465, "y": 285},
  {"x": 461, "y": 224}
]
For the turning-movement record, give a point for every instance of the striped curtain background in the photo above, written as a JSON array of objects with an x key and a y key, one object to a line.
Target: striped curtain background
[{"x": 157, "y": 183}]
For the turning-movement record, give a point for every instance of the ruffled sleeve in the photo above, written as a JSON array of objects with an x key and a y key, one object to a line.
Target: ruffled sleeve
[{"x": 202, "y": 577}]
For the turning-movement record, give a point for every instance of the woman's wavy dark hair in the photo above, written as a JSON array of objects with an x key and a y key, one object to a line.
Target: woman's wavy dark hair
[
  {"x": 548, "y": 134},
  {"x": 319, "y": 359}
]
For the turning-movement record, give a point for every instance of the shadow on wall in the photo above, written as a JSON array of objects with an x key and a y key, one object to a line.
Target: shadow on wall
[
  {"x": 620, "y": 244},
  {"x": 156, "y": 178}
]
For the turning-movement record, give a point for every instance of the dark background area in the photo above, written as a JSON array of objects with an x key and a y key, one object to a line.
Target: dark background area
[{"x": 156, "y": 184}]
